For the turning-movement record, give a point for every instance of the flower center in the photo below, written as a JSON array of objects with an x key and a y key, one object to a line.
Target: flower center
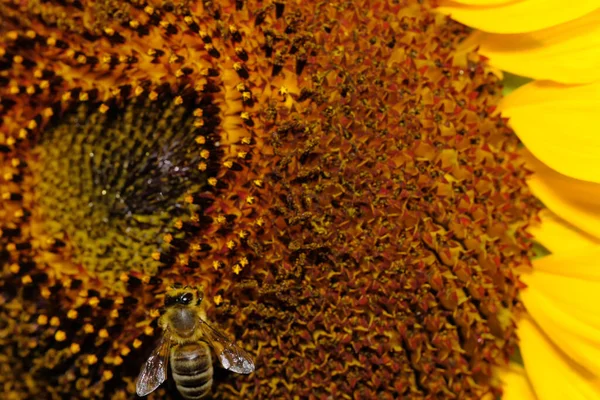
[{"x": 112, "y": 181}]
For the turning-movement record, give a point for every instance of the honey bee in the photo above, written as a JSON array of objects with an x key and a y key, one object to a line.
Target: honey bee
[{"x": 188, "y": 340}]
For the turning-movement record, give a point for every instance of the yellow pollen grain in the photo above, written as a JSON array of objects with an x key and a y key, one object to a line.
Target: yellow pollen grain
[
  {"x": 124, "y": 277},
  {"x": 60, "y": 336},
  {"x": 137, "y": 343},
  {"x": 107, "y": 375},
  {"x": 12, "y": 35},
  {"x": 195, "y": 247},
  {"x": 17, "y": 59},
  {"x": 11, "y": 141},
  {"x": 105, "y": 59},
  {"x": 48, "y": 112},
  {"x": 244, "y": 261},
  {"x": 30, "y": 89},
  {"x": 51, "y": 41},
  {"x": 221, "y": 219},
  {"x": 237, "y": 66},
  {"x": 26, "y": 280},
  {"x": 283, "y": 91},
  {"x": 32, "y": 124},
  {"x": 237, "y": 269},
  {"x": 153, "y": 95},
  {"x": 103, "y": 333},
  {"x": 200, "y": 140},
  {"x": 240, "y": 87},
  {"x": 250, "y": 199},
  {"x": 151, "y": 52},
  {"x": 83, "y": 96},
  {"x": 91, "y": 359},
  {"x": 242, "y": 154},
  {"x": 179, "y": 73},
  {"x": 212, "y": 181},
  {"x": 114, "y": 314},
  {"x": 32, "y": 344},
  {"x": 125, "y": 351},
  {"x": 42, "y": 319},
  {"x": 44, "y": 85},
  {"x": 119, "y": 300},
  {"x": 260, "y": 221},
  {"x": 164, "y": 24},
  {"x": 138, "y": 90},
  {"x": 66, "y": 96},
  {"x": 178, "y": 224},
  {"x": 198, "y": 123},
  {"x": 14, "y": 268},
  {"x": 218, "y": 299},
  {"x": 83, "y": 293},
  {"x": 245, "y": 115},
  {"x": 118, "y": 360},
  {"x": 134, "y": 24},
  {"x": 14, "y": 90},
  {"x": 93, "y": 301},
  {"x": 75, "y": 348},
  {"x": 72, "y": 314},
  {"x": 216, "y": 265},
  {"x": 109, "y": 31},
  {"x": 230, "y": 244},
  {"x": 228, "y": 164},
  {"x": 178, "y": 100},
  {"x": 205, "y": 154},
  {"x": 258, "y": 182},
  {"x": 146, "y": 279},
  {"x": 154, "y": 313},
  {"x": 168, "y": 238},
  {"x": 194, "y": 217},
  {"x": 88, "y": 328},
  {"x": 246, "y": 96},
  {"x": 103, "y": 108},
  {"x": 30, "y": 34},
  {"x": 188, "y": 20},
  {"x": 38, "y": 73},
  {"x": 173, "y": 59},
  {"x": 148, "y": 331},
  {"x": 11, "y": 247},
  {"x": 123, "y": 58},
  {"x": 243, "y": 234},
  {"x": 149, "y": 10},
  {"x": 198, "y": 112},
  {"x": 156, "y": 256},
  {"x": 70, "y": 53},
  {"x": 188, "y": 199},
  {"x": 45, "y": 292},
  {"x": 19, "y": 213},
  {"x": 81, "y": 59}
]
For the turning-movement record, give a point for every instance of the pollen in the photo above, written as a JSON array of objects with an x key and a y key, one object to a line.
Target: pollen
[
  {"x": 218, "y": 299},
  {"x": 60, "y": 336}
]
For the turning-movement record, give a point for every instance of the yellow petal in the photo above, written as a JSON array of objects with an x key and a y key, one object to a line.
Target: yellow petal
[
  {"x": 552, "y": 374},
  {"x": 575, "y": 201},
  {"x": 559, "y": 124},
  {"x": 558, "y": 236},
  {"x": 575, "y": 330},
  {"x": 568, "y": 53},
  {"x": 518, "y": 16},
  {"x": 515, "y": 383}
]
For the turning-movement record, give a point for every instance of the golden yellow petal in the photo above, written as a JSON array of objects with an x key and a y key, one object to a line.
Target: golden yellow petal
[
  {"x": 559, "y": 124},
  {"x": 573, "y": 200},
  {"x": 558, "y": 236},
  {"x": 575, "y": 330},
  {"x": 552, "y": 374},
  {"x": 516, "y": 386},
  {"x": 567, "y": 53},
  {"x": 518, "y": 16}
]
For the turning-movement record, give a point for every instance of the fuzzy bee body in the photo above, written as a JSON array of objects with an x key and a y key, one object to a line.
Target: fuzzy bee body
[
  {"x": 191, "y": 365},
  {"x": 187, "y": 342}
]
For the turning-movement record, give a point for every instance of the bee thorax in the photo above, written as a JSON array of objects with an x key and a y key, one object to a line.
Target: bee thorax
[{"x": 183, "y": 321}]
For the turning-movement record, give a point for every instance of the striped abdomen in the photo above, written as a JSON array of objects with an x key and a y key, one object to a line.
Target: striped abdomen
[{"x": 191, "y": 365}]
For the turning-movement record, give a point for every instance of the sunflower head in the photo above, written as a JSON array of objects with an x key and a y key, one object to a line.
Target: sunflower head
[{"x": 334, "y": 178}]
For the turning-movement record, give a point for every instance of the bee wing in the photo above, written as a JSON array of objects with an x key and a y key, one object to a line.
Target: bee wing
[
  {"x": 231, "y": 356},
  {"x": 154, "y": 371}
]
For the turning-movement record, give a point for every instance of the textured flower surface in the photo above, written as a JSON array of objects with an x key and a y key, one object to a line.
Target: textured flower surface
[
  {"x": 556, "y": 116},
  {"x": 332, "y": 174}
]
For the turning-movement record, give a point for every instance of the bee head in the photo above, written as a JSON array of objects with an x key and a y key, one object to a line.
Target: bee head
[{"x": 184, "y": 296}]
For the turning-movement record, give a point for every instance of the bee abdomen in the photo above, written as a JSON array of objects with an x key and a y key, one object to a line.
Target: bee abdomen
[{"x": 191, "y": 365}]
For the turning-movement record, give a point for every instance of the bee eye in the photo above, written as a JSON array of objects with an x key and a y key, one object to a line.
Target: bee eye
[
  {"x": 169, "y": 301},
  {"x": 187, "y": 298}
]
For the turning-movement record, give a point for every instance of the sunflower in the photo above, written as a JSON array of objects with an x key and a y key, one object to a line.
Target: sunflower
[
  {"x": 334, "y": 176},
  {"x": 557, "y": 49}
]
